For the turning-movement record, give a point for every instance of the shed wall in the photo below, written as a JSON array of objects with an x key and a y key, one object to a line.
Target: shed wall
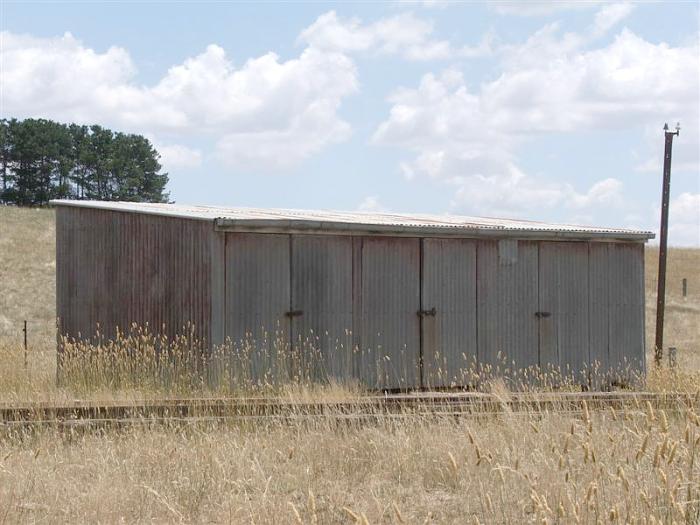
[
  {"x": 390, "y": 326},
  {"x": 115, "y": 269},
  {"x": 449, "y": 332},
  {"x": 322, "y": 273},
  {"x": 564, "y": 307},
  {"x": 507, "y": 299}
]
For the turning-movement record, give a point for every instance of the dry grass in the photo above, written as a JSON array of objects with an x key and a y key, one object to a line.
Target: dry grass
[
  {"x": 632, "y": 466},
  {"x": 27, "y": 274},
  {"x": 682, "y": 315}
]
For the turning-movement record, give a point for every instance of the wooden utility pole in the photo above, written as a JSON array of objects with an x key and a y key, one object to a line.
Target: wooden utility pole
[{"x": 663, "y": 242}]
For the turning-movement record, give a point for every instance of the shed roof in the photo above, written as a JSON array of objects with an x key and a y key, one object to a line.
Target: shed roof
[{"x": 325, "y": 221}]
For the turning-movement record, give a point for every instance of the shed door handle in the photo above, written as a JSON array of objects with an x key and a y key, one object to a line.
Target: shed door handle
[
  {"x": 543, "y": 314},
  {"x": 424, "y": 313},
  {"x": 294, "y": 313}
]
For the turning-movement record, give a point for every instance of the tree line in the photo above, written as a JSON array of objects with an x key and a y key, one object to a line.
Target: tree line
[{"x": 42, "y": 160}]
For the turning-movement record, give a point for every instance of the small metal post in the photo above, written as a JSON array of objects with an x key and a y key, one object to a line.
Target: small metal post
[
  {"x": 25, "y": 343},
  {"x": 663, "y": 242},
  {"x": 685, "y": 287},
  {"x": 672, "y": 354}
]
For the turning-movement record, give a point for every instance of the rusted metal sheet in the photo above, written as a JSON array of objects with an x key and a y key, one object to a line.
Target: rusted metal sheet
[
  {"x": 507, "y": 291},
  {"x": 323, "y": 299},
  {"x": 257, "y": 303},
  {"x": 448, "y": 311},
  {"x": 563, "y": 309},
  {"x": 390, "y": 347},
  {"x": 115, "y": 269},
  {"x": 218, "y": 288}
]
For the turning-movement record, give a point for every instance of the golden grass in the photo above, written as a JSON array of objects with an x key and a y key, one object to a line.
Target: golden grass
[
  {"x": 27, "y": 274},
  {"x": 633, "y": 466},
  {"x": 682, "y": 314}
]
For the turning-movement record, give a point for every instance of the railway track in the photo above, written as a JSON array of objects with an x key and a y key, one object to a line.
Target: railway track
[{"x": 364, "y": 408}]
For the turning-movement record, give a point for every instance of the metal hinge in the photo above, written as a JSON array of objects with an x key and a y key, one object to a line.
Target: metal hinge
[
  {"x": 294, "y": 313},
  {"x": 424, "y": 313},
  {"x": 543, "y": 314}
]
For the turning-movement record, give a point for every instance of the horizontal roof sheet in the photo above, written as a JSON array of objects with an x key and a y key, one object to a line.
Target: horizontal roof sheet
[{"x": 281, "y": 219}]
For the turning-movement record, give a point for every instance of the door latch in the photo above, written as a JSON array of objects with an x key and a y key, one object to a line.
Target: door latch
[
  {"x": 543, "y": 314},
  {"x": 294, "y": 313},
  {"x": 425, "y": 313}
]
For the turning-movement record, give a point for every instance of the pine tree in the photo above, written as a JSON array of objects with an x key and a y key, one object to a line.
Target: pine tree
[{"x": 42, "y": 160}]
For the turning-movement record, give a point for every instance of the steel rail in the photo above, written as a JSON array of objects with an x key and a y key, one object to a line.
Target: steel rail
[{"x": 422, "y": 404}]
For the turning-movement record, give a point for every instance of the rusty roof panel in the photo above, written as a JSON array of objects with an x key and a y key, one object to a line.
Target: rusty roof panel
[{"x": 270, "y": 219}]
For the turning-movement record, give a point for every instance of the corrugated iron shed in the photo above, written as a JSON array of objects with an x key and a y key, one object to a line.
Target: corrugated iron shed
[{"x": 389, "y": 300}]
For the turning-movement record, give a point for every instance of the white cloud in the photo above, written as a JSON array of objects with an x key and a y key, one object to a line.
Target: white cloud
[
  {"x": 503, "y": 193},
  {"x": 176, "y": 156},
  {"x": 552, "y": 83},
  {"x": 539, "y": 8},
  {"x": 511, "y": 191},
  {"x": 279, "y": 107},
  {"x": 605, "y": 192},
  {"x": 609, "y": 16},
  {"x": 683, "y": 220},
  {"x": 403, "y": 34},
  {"x": 686, "y": 148},
  {"x": 307, "y": 133},
  {"x": 371, "y": 204}
]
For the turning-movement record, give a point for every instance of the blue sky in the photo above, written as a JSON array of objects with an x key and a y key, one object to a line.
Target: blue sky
[{"x": 547, "y": 111}]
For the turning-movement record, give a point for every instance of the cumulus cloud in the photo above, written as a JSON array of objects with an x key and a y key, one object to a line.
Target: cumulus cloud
[
  {"x": 552, "y": 83},
  {"x": 686, "y": 147},
  {"x": 371, "y": 203},
  {"x": 403, "y": 34},
  {"x": 605, "y": 192},
  {"x": 539, "y": 7},
  {"x": 609, "y": 16},
  {"x": 683, "y": 220},
  {"x": 176, "y": 156},
  {"x": 266, "y": 104},
  {"x": 512, "y": 191}
]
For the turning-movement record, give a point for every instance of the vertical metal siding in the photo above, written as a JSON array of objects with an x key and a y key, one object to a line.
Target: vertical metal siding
[
  {"x": 599, "y": 321},
  {"x": 506, "y": 304},
  {"x": 449, "y": 286},
  {"x": 390, "y": 304},
  {"x": 626, "y": 309},
  {"x": 564, "y": 293},
  {"x": 218, "y": 288},
  {"x": 357, "y": 361},
  {"x": 322, "y": 291},
  {"x": 115, "y": 269},
  {"x": 257, "y": 299},
  {"x": 617, "y": 310}
]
